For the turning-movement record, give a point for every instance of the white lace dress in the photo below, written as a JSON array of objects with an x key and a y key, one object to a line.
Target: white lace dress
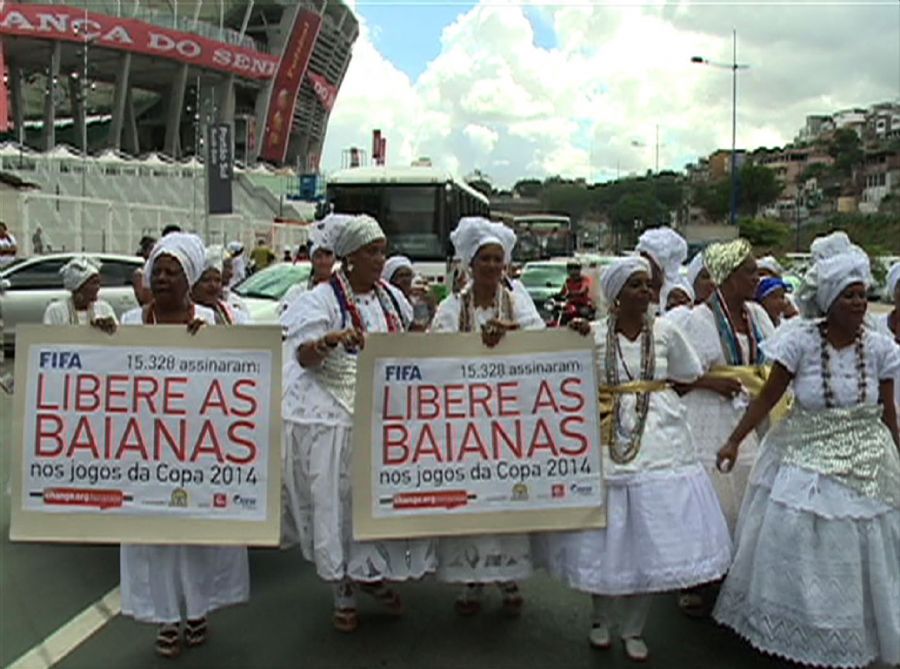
[
  {"x": 159, "y": 582},
  {"x": 712, "y": 417},
  {"x": 665, "y": 529},
  {"x": 816, "y": 573},
  {"x": 484, "y": 558},
  {"x": 318, "y": 426}
]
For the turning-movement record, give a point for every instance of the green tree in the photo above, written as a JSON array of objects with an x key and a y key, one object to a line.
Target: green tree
[
  {"x": 714, "y": 199},
  {"x": 764, "y": 233},
  {"x": 846, "y": 149},
  {"x": 566, "y": 198},
  {"x": 758, "y": 188}
]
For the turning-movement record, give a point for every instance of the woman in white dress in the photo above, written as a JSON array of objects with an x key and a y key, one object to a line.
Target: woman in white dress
[
  {"x": 666, "y": 251},
  {"x": 170, "y": 584},
  {"x": 324, "y": 329},
  {"x": 81, "y": 277},
  {"x": 816, "y": 574},
  {"x": 207, "y": 291},
  {"x": 485, "y": 304},
  {"x": 726, "y": 332},
  {"x": 665, "y": 529},
  {"x": 889, "y": 323}
]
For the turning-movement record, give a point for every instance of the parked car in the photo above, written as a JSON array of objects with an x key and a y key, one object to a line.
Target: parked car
[
  {"x": 543, "y": 280},
  {"x": 263, "y": 291},
  {"x": 28, "y": 286}
]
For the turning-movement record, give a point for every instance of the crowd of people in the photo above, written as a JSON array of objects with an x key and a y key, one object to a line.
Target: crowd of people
[{"x": 749, "y": 438}]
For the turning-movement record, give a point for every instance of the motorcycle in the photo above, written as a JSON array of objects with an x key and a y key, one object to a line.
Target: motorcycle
[{"x": 562, "y": 311}]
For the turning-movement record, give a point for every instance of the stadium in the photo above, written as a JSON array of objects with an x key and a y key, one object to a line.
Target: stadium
[{"x": 107, "y": 108}]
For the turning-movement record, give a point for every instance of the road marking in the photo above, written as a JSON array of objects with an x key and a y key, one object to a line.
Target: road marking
[{"x": 71, "y": 635}]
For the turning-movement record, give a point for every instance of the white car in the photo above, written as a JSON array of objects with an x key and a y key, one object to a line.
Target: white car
[
  {"x": 28, "y": 286},
  {"x": 263, "y": 291}
]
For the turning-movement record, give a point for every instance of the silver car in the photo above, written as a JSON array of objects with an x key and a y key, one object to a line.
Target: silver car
[{"x": 28, "y": 286}]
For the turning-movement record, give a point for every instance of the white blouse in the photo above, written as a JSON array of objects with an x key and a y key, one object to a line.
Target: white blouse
[
  {"x": 799, "y": 350},
  {"x": 57, "y": 313},
  {"x": 667, "y": 441},
  {"x": 446, "y": 319},
  {"x": 136, "y": 316}
]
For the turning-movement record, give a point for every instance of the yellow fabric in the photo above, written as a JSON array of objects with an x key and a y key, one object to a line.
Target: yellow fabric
[
  {"x": 754, "y": 379},
  {"x": 607, "y": 398}
]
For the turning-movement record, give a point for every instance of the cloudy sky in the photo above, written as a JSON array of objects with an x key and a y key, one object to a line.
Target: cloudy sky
[{"x": 578, "y": 88}]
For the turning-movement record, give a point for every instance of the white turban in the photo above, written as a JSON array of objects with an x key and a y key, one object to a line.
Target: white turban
[
  {"x": 666, "y": 247},
  {"x": 617, "y": 273},
  {"x": 677, "y": 284},
  {"x": 77, "y": 271},
  {"x": 836, "y": 272},
  {"x": 352, "y": 233},
  {"x": 186, "y": 248},
  {"x": 215, "y": 258},
  {"x": 321, "y": 236},
  {"x": 474, "y": 232},
  {"x": 771, "y": 264},
  {"x": 393, "y": 264},
  {"x": 235, "y": 248},
  {"x": 694, "y": 268},
  {"x": 893, "y": 278},
  {"x": 829, "y": 245}
]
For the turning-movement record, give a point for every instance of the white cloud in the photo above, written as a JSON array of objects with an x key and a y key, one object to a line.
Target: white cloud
[{"x": 494, "y": 100}]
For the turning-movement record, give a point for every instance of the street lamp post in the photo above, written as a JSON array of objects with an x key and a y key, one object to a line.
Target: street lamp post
[{"x": 734, "y": 66}]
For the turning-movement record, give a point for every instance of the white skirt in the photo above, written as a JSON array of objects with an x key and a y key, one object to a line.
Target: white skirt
[
  {"x": 816, "y": 574},
  {"x": 664, "y": 531},
  {"x": 165, "y": 584},
  {"x": 484, "y": 558},
  {"x": 319, "y": 513}
]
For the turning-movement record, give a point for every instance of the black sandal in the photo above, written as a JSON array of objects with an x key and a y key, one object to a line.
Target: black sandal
[
  {"x": 168, "y": 641},
  {"x": 195, "y": 632}
]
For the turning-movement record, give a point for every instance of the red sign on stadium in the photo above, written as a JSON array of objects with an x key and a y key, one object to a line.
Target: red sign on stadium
[
  {"x": 291, "y": 72},
  {"x": 58, "y": 22}
]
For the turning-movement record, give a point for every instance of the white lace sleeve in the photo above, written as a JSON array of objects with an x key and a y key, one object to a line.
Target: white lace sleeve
[
  {"x": 788, "y": 345},
  {"x": 886, "y": 355},
  {"x": 57, "y": 313},
  {"x": 700, "y": 330},
  {"x": 312, "y": 315},
  {"x": 446, "y": 318},
  {"x": 682, "y": 360}
]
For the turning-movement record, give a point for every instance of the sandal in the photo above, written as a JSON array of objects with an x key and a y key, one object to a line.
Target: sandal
[
  {"x": 195, "y": 632},
  {"x": 387, "y": 597},
  {"x": 469, "y": 601},
  {"x": 168, "y": 641},
  {"x": 345, "y": 620},
  {"x": 512, "y": 599}
]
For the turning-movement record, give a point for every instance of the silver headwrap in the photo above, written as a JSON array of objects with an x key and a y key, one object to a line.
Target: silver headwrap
[
  {"x": 352, "y": 234},
  {"x": 617, "y": 273},
  {"x": 186, "y": 248},
  {"x": 77, "y": 271},
  {"x": 322, "y": 233}
]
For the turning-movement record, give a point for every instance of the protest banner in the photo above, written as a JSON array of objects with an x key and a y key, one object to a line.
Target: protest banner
[
  {"x": 451, "y": 437},
  {"x": 150, "y": 435}
]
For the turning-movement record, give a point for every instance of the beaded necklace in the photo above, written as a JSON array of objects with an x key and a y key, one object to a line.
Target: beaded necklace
[
  {"x": 347, "y": 301},
  {"x": 623, "y": 454},
  {"x": 152, "y": 319},
  {"x": 502, "y": 305},
  {"x": 861, "y": 382}
]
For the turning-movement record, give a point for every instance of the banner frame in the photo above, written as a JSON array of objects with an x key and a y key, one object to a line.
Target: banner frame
[
  {"x": 95, "y": 527},
  {"x": 447, "y": 345}
]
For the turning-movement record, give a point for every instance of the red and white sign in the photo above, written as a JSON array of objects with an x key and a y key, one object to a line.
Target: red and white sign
[
  {"x": 325, "y": 91},
  {"x": 290, "y": 75},
  {"x": 71, "y": 24}
]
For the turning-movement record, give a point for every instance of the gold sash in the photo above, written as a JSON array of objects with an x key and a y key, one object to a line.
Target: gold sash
[
  {"x": 754, "y": 378},
  {"x": 607, "y": 396}
]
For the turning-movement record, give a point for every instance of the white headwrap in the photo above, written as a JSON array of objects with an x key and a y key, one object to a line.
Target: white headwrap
[
  {"x": 836, "y": 272},
  {"x": 666, "y": 247},
  {"x": 694, "y": 268},
  {"x": 215, "y": 258},
  {"x": 235, "y": 248},
  {"x": 617, "y": 273},
  {"x": 829, "y": 245},
  {"x": 393, "y": 264},
  {"x": 678, "y": 284},
  {"x": 771, "y": 264},
  {"x": 893, "y": 278},
  {"x": 77, "y": 271},
  {"x": 352, "y": 233},
  {"x": 474, "y": 232},
  {"x": 186, "y": 248},
  {"x": 321, "y": 236}
]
